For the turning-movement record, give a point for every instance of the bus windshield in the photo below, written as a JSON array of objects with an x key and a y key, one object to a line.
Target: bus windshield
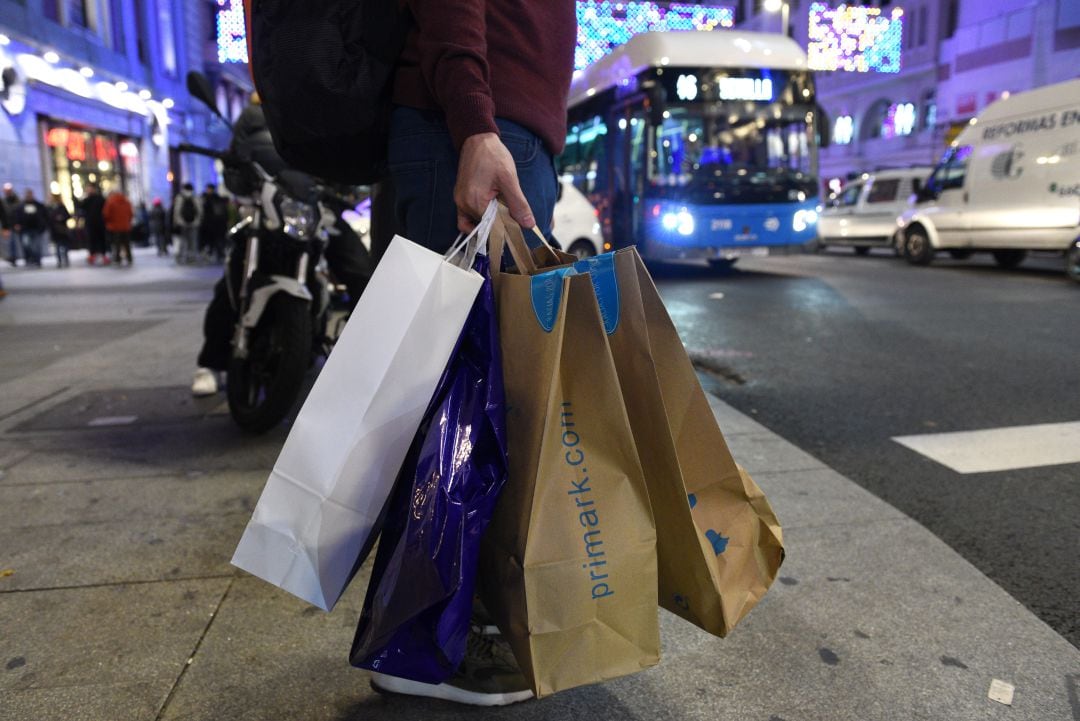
[{"x": 763, "y": 156}]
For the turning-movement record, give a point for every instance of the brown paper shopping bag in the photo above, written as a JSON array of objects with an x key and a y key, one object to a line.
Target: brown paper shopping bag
[
  {"x": 568, "y": 564},
  {"x": 719, "y": 543}
]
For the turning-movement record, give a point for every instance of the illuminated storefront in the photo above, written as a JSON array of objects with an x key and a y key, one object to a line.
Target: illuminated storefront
[{"x": 78, "y": 156}]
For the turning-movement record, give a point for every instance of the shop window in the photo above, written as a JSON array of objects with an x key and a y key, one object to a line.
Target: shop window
[
  {"x": 929, "y": 113},
  {"x": 80, "y": 156},
  {"x": 899, "y": 120},
  {"x": 923, "y": 22},
  {"x": 843, "y": 130},
  {"x": 51, "y": 10}
]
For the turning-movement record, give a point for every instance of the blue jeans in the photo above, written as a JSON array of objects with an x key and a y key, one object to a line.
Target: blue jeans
[
  {"x": 33, "y": 242},
  {"x": 424, "y": 166}
]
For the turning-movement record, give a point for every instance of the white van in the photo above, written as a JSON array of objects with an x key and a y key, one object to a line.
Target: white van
[
  {"x": 576, "y": 226},
  {"x": 1009, "y": 183},
  {"x": 864, "y": 214}
]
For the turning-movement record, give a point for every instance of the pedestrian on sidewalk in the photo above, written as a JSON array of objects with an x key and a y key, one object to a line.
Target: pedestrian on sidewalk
[
  {"x": 59, "y": 216},
  {"x": 93, "y": 207},
  {"x": 10, "y": 203},
  {"x": 159, "y": 236},
  {"x": 5, "y": 231},
  {"x": 31, "y": 222},
  {"x": 118, "y": 215},
  {"x": 187, "y": 215},
  {"x": 212, "y": 225},
  {"x": 480, "y": 97}
]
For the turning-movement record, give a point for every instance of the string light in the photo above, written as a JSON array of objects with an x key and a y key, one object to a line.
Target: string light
[
  {"x": 855, "y": 39},
  {"x": 603, "y": 26},
  {"x": 231, "y": 32}
]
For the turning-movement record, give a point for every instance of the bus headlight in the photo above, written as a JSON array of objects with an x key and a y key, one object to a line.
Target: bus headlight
[
  {"x": 685, "y": 222},
  {"x": 803, "y": 219},
  {"x": 681, "y": 221}
]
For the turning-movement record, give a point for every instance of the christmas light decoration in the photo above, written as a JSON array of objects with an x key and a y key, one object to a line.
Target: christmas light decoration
[
  {"x": 854, "y": 39},
  {"x": 603, "y": 26},
  {"x": 231, "y": 32}
]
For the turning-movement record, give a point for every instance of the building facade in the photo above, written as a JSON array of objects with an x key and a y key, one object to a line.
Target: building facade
[
  {"x": 936, "y": 65},
  {"x": 93, "y": 91}
]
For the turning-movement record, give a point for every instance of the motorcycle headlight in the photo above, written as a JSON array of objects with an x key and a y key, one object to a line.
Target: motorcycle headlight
[{"x": 299, "y": 219}]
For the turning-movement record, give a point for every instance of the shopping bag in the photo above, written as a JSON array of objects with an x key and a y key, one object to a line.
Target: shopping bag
[
  {"x": 719, "y": 543},
  {"x": 319, "y": 511},
  {"x": 568, "y": 564},
  {"x": 419, "y": 601}
]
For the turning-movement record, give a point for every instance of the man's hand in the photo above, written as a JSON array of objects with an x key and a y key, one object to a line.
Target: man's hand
[{"x": 486, "y": 170}]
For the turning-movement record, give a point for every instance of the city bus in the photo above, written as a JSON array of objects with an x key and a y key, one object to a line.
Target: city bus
[{"x": 698, "y": 145}]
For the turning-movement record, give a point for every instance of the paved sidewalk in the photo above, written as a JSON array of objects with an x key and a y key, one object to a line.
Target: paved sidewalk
[{"x": 121, "y": 500}]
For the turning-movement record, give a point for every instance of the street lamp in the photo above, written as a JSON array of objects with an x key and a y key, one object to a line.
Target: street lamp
[{"x": 783, "y": 8}]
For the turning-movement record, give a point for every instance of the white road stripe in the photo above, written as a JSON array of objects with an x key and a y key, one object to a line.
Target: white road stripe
[{"x": 1000, "y": 449}]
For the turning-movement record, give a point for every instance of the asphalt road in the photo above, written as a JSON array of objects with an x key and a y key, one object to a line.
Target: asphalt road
[{"x": 840, "y": 354}]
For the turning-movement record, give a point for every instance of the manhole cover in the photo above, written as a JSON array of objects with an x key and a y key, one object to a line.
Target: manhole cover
[{"x": 132, "y": 407}]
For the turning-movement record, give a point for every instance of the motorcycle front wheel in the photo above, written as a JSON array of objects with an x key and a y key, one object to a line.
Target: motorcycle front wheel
[{"x": 263, "y": 387}]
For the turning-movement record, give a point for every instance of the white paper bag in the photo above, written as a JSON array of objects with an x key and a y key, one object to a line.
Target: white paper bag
[{"x": 338, "y": 465}]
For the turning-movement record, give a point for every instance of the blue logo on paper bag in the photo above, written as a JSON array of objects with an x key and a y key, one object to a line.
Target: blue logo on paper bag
[
  {"x": 547, "y": 296},
  {"x": 719, "y": 542},
  {"x": 601, "y": 269},
  {"x": 692, "y": 498}
]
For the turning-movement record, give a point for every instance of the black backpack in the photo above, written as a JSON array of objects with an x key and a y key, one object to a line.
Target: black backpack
[
  {"x": 188, "y": 211},
  {"x": 323, "y": 69}
]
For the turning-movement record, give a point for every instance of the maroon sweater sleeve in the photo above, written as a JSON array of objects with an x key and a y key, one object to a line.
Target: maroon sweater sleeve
[{"x": 452, "y": 46}]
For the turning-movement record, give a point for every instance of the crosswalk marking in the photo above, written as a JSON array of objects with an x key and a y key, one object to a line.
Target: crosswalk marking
[{"x": 1000, "y": 449}]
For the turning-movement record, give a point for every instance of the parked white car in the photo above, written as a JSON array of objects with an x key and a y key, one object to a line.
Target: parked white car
[
  {"x": 1009, "y": 183},
  {"x": 577, "y": 228},
  {"x": 864, "y": 214}
]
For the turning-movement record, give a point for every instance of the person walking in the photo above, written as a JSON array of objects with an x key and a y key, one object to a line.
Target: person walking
[
  {"x": 480, "y": 96},
  {"x": 118, "y": 215},
  {"x": 93, "y": 207},
  {"x": 10, "y": 202},
  {"x": 213, "y": 224},
  {"x": 5, "y": 233},
  {"x": 159, "y": 236},
  {"x": 31, "y": 222},
  {"x": 58, "y": 217},
  {"x": 187, "y": 216}
]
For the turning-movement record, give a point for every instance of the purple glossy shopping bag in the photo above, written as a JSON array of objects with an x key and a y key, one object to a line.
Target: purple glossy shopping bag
[{"x": 416, "y": 615}]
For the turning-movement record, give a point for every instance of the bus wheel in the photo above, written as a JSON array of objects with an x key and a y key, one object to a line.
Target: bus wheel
[
  {"x": 722, "y": 264},
  {"x": 582, "y": 249},
  {"x": 862, "y": 250},
  {"x": 917, "y": 248},
  {"x": 1009, "y": 258},
  {"x": 1072, "y": 262},
  {"x": 960, "y": 253}
]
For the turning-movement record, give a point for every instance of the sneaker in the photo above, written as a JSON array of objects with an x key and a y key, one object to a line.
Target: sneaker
[
  {"x": 205, "y": 383},
  {"x": 488, "y": 676}
]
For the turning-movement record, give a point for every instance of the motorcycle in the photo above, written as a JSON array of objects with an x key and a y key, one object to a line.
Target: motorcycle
[{"x": 288, "y": 310}]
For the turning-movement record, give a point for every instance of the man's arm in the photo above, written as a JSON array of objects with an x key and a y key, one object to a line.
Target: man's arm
[{"x": 453, "y": 60}]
